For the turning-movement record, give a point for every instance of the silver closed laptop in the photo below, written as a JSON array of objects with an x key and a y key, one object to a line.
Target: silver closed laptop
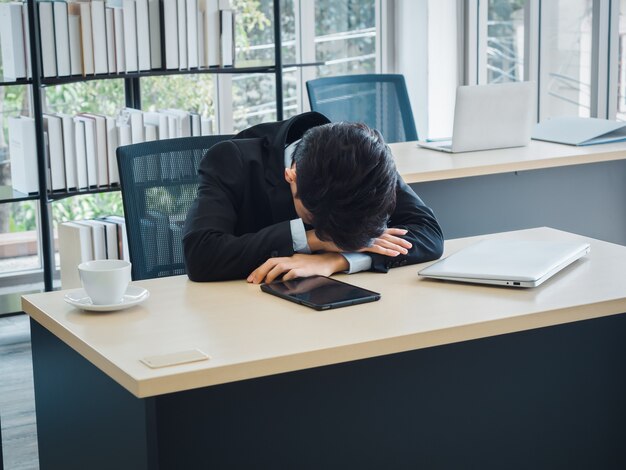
[
  {"x": 490, "y": 117},
  {"x": 515, "y": 263}
]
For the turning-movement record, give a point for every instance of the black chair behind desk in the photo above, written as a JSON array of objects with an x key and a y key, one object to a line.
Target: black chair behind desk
[
  {"x": 379, "y": 100},
  {"x": 159, "y": 181}
]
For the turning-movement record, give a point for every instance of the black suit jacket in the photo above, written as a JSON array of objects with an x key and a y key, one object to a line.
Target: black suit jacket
[{"x": 241, "y": 216}]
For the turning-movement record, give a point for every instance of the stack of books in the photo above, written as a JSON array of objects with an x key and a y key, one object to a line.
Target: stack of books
[
  {"x": 87, "y": 240},
  {"x": 80, "y": 150},
  {"x": 90, "y": 37}
]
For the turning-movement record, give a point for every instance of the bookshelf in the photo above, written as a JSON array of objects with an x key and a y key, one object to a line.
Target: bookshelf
[{"x": 44, "y": 195}]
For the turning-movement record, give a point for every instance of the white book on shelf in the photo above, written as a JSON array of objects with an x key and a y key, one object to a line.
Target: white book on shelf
[
  {"x": 206, "y": 126},
  {"x": 181, "y": 122},
  {"x": 194, "y": 123},
  {"x": 134, "y": 117},
  {"x": 69, "y": 150},
  {"x": 75, "y": 247},
  {"x": 183, "y": 62},
  {"x": 90, "y": 149},
  {"x": 170, "y": 33},
  {"x": 143, "y": 34},
  {"x": 120, "y": 52},
  {"x": 112, "y": 144},
  {"x": 164, "y": 127},
  {"x": 109, "y": 229},
  {"x": 151, "y": 132},
  {"x": 154, "y": 14},
  {"x": 46, "y": 155},
  {"x": 98, "y": 31},
  {"x": 227, "y": 38},
  {"x": 122, "y": 237},
  {"x": 124, "y": 135},
  {"x": 81, "y": 153},
  {"x": 86, "y": 36},
  {"x": 97, "y": 238},
  {"x": 23, "y": 154},
  {"x": 76, "y": 44},
  {"x": 100, "y": 144},
  {"x": 192, "y": 33},
  {"x": 130, "y": 36},
  {"x": 158, "y": 120},
  {"x": 172, "y": 126},
  {"x": 137, "y": 132},
  {"x": 12, "y": 41},
  {"x": 26, "y": 31},
  {"x": 46, "y": 31},
  {"x": 201, "y": 37},
  {"x": 109, "y": 20},
  {"x": 91, "y": 158},
  {"x": 62, "y": 38},
  {"x": 211, "y": 13},
  {"x": 54, "y": 128}
]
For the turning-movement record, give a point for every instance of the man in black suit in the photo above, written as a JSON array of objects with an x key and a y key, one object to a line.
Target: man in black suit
[{"x": 303, "y": 197}]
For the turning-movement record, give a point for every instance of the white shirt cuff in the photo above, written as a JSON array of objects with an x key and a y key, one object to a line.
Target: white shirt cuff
[
  {"x": 358, "y": 262},
  {"x": 298, "y": 236}
]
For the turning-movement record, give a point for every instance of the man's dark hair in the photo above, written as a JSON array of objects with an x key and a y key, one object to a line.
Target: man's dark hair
[{"x": 346, "y": 178}]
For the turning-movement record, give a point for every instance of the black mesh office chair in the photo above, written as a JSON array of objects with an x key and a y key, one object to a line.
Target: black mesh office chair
[
  {"x": 159, "y": 181},
  {"x": 379, "y": 100}
]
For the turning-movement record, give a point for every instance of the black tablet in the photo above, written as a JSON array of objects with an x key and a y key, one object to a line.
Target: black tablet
[{"x": 320, "y": 292}]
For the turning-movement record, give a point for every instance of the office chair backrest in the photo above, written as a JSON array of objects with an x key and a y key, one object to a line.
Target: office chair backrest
[
  {"x": 380, "y": 101},
  {"x": 159, "y": 181}
]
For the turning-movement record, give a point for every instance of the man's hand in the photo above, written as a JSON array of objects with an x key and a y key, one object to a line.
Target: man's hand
[
  {"x": 388, "y": 244},
  {"x": 298, "y": 265}
]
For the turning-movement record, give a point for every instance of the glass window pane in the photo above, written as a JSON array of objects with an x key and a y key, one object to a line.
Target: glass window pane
[
  {"x": 290, "y": 93},
  {"x": 566, "y": 58},
  {"x": 193, "y": 92},
  {"x": 505, "y": 41},
  {"x": 290, "y": 74},
  {"x": 345, "y": 37},
  {"x": 19, "y": 237},
  {"x": 13, "y": 102},
  {"x": 621, "y": 68},
  {"x": 254, "y": 31},
  {"x": 95, "y": 96},
  {"x": 254, "y": 95},
  {"x": 254, "y": 100}
]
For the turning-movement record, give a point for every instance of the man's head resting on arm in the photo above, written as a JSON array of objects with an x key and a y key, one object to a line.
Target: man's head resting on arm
[{"x": 343, "y": 180}]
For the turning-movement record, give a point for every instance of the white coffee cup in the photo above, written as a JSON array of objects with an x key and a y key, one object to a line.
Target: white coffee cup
[{"x": 105, "y": 280}]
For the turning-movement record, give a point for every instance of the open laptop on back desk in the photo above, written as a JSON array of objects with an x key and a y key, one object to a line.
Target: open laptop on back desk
[{"x": 489, "y": 117}]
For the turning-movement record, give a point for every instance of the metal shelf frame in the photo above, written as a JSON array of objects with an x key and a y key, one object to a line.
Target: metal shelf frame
[{"x": 132, "y": 90}]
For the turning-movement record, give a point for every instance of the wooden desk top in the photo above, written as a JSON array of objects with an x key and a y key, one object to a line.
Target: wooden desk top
[
  {"x": 418, "y": 165},
  {"x": 250, "y": 334}
]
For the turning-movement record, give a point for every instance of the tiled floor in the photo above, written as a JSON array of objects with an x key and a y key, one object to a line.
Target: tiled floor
[{"x": 17, "y": 401}]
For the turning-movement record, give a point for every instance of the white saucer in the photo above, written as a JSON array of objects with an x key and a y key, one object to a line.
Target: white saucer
[{"x": 134, "y": 295}]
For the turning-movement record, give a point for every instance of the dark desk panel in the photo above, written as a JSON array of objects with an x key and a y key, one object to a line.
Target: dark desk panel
[{"x": 548, "y": 398}]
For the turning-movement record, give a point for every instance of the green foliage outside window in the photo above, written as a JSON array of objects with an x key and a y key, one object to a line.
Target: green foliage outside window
[
  {"x": 87, "y": 207},
  {"x": 97, "y": 96},
  {"x": 23, "y": 216}
]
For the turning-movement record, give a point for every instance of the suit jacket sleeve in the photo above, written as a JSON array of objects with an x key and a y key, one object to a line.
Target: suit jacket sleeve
[
  {"x": 423, "y": 231},
  {"x": 212, "y": 250}
]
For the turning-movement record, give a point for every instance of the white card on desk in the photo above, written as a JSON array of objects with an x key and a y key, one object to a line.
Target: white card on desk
[{"x": 175, "y": 358}]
